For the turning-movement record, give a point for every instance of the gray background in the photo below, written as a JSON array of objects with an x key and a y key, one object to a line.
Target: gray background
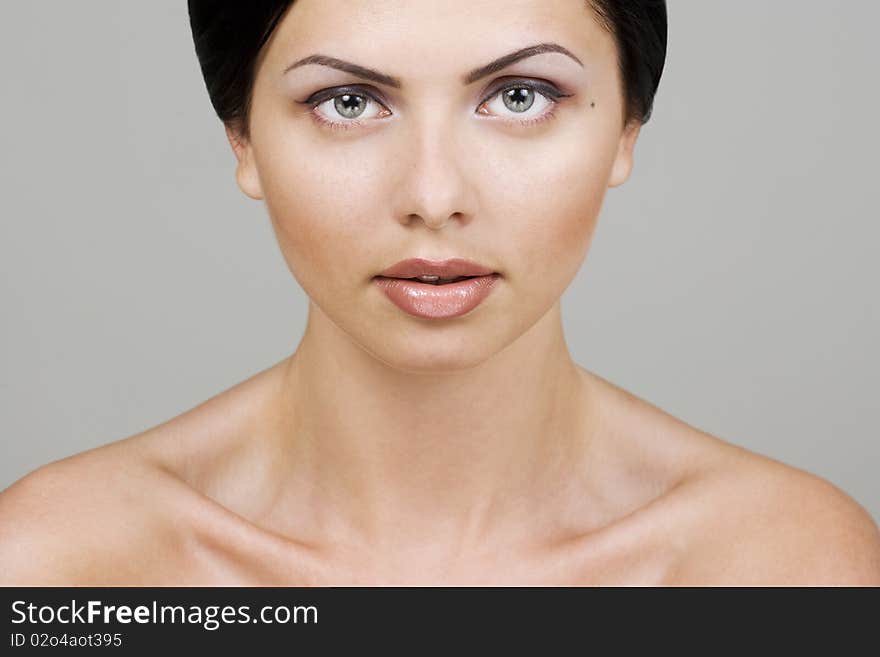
[{"x": 731, "y": 281}]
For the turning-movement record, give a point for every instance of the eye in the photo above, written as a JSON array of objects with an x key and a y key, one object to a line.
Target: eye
[
  {"x": 352, "y": 103},
  {"x": 518, "y": 98}
]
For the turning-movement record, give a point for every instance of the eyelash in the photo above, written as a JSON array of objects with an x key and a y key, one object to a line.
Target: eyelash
[{"x": 549, "y": 92}]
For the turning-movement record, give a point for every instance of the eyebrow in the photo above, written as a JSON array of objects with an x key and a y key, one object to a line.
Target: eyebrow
[{"x": 376, "y": 76}]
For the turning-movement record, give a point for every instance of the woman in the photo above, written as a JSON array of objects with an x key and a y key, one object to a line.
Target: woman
[{"x": 434, "y": 180}]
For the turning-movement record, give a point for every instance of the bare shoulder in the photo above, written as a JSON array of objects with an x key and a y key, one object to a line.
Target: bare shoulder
[
  {"x": 764, "y": 523},
  {"x": 78, "y": 519},
  {"x": 739, "y": 517},
  {"x": 112, "y": 513},
  {"x": 110, "y": 516}
]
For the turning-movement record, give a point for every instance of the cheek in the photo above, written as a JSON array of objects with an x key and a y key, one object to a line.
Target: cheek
[
  {"x": 319, "y": 207},
  {"x": 553, "y": 204}
]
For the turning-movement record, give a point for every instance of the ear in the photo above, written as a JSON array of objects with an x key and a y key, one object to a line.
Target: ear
[
  {"x": 623, "y": 162},
  {"x": 246, "y": 170}
]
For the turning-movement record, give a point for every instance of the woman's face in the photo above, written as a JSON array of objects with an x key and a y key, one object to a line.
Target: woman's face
[{"x": 438, "y": 167}]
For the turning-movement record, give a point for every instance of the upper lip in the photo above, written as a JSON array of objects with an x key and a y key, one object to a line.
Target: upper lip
[{"x": 451, "y": 268}]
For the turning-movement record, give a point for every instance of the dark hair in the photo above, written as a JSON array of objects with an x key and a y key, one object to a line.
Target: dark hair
[
  {"x": 230, "y": 34},
  {"x": 639, "y": 30}
]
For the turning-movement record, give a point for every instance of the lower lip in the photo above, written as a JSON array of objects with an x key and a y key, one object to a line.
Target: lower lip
[{"x": 437, "y": 301}]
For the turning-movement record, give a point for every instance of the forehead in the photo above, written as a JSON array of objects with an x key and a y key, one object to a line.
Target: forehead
[{"x": 424, "y": 39}]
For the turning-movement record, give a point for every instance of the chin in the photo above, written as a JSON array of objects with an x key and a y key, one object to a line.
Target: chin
[{"x": 441, "y": 354}]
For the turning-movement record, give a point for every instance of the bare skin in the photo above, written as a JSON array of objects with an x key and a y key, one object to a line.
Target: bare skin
[
  {"x": 185, "y": 504},
  {"x": 390, "y": 449}
]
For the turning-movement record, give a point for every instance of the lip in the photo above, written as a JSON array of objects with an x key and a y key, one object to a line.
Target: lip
[
  {"x": 437, "y": 301},
  {"x": 450, "y": 268}
]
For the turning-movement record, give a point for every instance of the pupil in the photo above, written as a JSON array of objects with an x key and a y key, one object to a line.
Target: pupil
[
  {"x": 344, "y": 102},
  {"x": 520, "y": 99}
]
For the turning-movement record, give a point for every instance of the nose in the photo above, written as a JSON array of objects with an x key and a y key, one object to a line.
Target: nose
[
  {"x": 434, "y": 222},
  {"x": 435, "y": 184}
]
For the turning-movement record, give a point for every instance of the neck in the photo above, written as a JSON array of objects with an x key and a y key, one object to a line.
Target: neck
[{"x": 384, "y": 455}]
